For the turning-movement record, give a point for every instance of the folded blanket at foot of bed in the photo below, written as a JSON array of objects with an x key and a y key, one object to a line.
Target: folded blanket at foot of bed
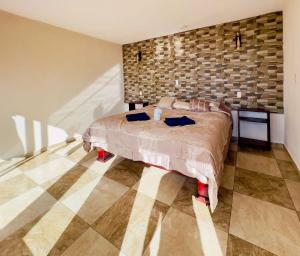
[
  {"x": 137, "y": 117},
  {"x": 179, "y": 121}
]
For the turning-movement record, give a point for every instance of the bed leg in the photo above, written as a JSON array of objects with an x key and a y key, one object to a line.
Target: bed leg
[
  {"x": 203, "y": 193},
  {"x": 103, "y": 155}
]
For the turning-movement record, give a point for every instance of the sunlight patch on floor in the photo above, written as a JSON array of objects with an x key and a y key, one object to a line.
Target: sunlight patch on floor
[
  {"x": 209, "y": 239},
  {"x": 156, "y": 239},
  {"x": 134, "y": 238},
  {"x": 43, "y": 236}
]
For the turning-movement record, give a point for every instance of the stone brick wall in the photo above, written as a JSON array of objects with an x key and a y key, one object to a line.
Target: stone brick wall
[{"x": 208, "y": 65}]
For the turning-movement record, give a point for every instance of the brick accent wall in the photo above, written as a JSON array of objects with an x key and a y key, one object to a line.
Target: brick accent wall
[{"x": 208, "y": 65}]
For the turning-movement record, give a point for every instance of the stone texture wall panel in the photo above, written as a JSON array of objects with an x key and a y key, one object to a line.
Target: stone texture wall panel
[{"x": 208, "y": 65}]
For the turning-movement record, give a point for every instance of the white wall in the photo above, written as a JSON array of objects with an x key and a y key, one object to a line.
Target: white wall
[
  {"x": 291, "y": 21},
  {"x": 53, "y": 84}
]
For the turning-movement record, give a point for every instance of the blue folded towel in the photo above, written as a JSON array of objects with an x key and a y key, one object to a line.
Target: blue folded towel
[
  {"x": 137, "y": 117},
  {"x": 179, "y": 121}
]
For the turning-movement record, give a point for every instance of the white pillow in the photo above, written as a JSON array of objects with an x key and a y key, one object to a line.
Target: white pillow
[
  {"x": 166, "y": 102},
  {"x": 181, "y": 105}
]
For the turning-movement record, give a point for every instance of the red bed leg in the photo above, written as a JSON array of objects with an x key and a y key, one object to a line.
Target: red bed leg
[
  {"x": 103, "y": 155},
  {"x": 203, "y": 193}
]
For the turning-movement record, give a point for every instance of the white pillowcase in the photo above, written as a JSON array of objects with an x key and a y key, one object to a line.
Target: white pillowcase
[
  {"x": 181, "y": 105},
  {"x": 166, "y": 102}
]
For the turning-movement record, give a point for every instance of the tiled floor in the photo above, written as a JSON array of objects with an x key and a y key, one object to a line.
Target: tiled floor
[{"x": 64, "y": 202}]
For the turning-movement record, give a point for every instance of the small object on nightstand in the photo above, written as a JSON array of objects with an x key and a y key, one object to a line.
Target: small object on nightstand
[
  {"x": 261, "y": 144},
  {"x": 133, "y": 105}
]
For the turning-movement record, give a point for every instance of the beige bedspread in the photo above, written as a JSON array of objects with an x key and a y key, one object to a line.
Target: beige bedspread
[{"x": 194, "y": 150}]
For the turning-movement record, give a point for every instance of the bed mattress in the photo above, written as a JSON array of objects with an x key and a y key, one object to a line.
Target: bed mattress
[{"x": 197, "y": 151}]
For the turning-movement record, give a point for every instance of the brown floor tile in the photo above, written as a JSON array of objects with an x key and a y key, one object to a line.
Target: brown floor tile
[
  {"x": 182, "y": 235},
  {"x": 55, "y": 231},
  {"x": 15, "y": 186},
  {"x": 183, "y": 202},
  {"x": 240, "y": 247},
  {"x": 127, "y": 172},
  {"x": 267, "y": 183},
  {"x": 262, "y": 186},
  {"x": 277, "y": 146},
  {"x": 14, "y": 245},
  {"x": 65, "y": 182},
  {"x": 221, "y": 215},
  {"x": 266, "y": 153},
  {"x": 282, "y": 154},
  {"x": 132, "y": 213},
  {"x": 74, "y": 230},
  {"x": 228, "y": 177},
  {"x": 294, "y": 190},
  {"x": 231, "y": 157},
  {"x": 233, "y": 147},
  {"x": 288, "y": 170}
]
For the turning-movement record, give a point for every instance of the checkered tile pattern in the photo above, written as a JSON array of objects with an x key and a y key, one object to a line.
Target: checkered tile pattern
[{"x": 64, "y": 202}]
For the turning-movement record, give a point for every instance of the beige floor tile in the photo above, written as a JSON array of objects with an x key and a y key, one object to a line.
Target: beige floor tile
[
  {"x": 228, "y": 177},
  {"x": 91, "y": 244},
  {"x": 47, "y": 232},
  {"x": 266, "y": 225},
  {"x": 37, "y": 161},
  {"x": 181, "y": 234},
  {"x": 49, "y": 170},
  {"x": 6, "y": 165},
  {"x": 79, "y": 155},
  {"x": 294, "y": 189},
  {"x": 69, "y": 148},
  {"x": 93, "y": 199},
  {"x": 257, "y": 163},
  {"x": 160, "y": 184},
  {"x": 23, "y": 209},
  {"x": 281, "y": 154},
  {"x": 6, "y": 175},
  {"x": 15, "y": 186},
  {"x": 101, "y": 167}
]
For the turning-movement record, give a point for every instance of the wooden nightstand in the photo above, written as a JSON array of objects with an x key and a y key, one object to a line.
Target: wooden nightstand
[
  {"x": 261, "y": 144},
  {"x": 132, "y": 105}
]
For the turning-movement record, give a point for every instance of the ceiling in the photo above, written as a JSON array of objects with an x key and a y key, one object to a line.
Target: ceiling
[{"x": 127, "y": 21}]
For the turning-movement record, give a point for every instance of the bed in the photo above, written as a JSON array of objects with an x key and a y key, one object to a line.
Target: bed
[{"x": 197, "y": 151}]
